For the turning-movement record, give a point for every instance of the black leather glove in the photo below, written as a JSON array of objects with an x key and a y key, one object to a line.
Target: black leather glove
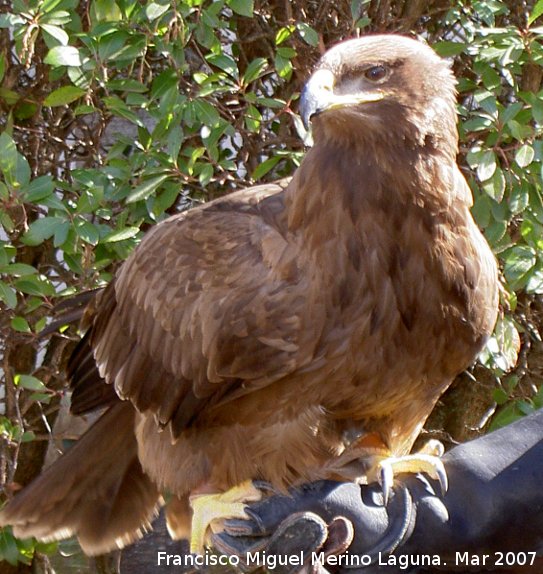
[{"x": 494, "y": 507}]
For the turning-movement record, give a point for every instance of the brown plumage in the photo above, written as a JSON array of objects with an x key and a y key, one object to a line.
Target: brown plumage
[{"x": 264, "y": 330}]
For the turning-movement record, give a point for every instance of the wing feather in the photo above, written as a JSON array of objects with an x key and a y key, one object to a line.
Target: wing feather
[{"x": 212, "y": 300}]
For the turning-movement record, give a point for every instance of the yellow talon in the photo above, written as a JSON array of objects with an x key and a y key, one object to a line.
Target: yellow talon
[
  {"x": 426, "y": 460},
  {"x": 209, "y": 511}
]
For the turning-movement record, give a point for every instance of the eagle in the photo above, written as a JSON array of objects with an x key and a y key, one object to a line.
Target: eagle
[{"x": 286, "y": 332}]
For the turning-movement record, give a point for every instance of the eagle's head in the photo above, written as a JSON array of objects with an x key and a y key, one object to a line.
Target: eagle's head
[{"x": 383, "y": 88}]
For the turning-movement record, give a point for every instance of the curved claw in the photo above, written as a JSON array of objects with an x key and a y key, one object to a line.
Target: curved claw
[
  {"x": 413, "y": 463},
  {"x": 386, "y": 479}
]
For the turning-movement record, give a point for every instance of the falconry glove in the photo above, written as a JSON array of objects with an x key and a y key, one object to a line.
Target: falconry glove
[{"x": 493, "y": 506}]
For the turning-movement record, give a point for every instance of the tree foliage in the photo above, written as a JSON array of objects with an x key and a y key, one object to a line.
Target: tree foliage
[{"x": 116, "y": 114}]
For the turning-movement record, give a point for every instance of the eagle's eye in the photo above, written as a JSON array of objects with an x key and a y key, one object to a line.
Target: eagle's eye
[{"x": 376, "y": 73}]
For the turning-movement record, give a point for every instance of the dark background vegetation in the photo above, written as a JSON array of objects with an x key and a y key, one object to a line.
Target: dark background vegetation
[{"x": 116, "y": 114}]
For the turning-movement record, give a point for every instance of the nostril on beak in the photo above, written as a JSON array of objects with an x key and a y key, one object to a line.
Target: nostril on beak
[{"x": 316, "y": 95}]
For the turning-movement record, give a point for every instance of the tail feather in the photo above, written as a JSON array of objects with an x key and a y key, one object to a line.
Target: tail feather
[{"x": 97, "y": 491}]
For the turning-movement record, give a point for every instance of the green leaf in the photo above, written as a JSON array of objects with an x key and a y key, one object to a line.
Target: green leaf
[
  {"x": 254, "y": 70},
  {"x": 126, "y": 85},
  {"x": 253, "y": 119},
  {"x": 519, "y": 199},
  {"x": 487, "y": 166},
  {"x": 6, "y": 222},
  {"x": 12, "y": 164},
  {"x": 63, "y": 56},
  {"x": 57, "y": 33},
  {"x": 510, "y": 112},
  {"x": 2, "y": 66},
  {"x": 524, "y": 155},
  {"x": 242, "y": 7},
  {"x": 308, "y": 34},
  {"x": 120, "y": 235},
  {"x": 33, "y": 303},
  {"x": 11, "y": 20},
  {"x": 40, "y": 323},
  {"x": 491, "y": 78},
  {"x": 20, "y": 324},
  {"x": 519, "y": 130},
  {"x": 53, "y": 202},
  {"x": 495, "y": 232},
  {"x": 272, "y": 103},
  {"x": 61, "y": 233},
  {"x": 448, "y": 49},
  {"x": 286, "y": 52},
  {"x": 538, "y": 398},
  {"x": 175, "y": 141},
  {"x": 495, "y": 186},
  {"x": 519, "y": 260},
  {"x": 206, "y": 113},
  {"x": 226, "y": 63},
  {"x": 84, "y": 109},
  {"x": 50, "y": 547},
  {"x": 8, "y": 547},
  {"x": 39, "y": 189},
  {"x": 535, "y": 282},
  {"x": 90, "y": 199},
  {"x": 35, "y": 285},
  {"x": 17, "y": 269},
  {"x": 206, "y": 173},
  {"x": 525, "y": 407},
  {"x": 8, "y": 295},
  {"x": 488, "y": 102},
  {"x": 505, "y": 416},
  {"x": 283, "y": 66},
  {"x": 113, "y": 45},
  {"x": 29, "y": 436},
  {"x": 7, "y": 251},
  {"x": 63, "y": 96},
  {"x": 501, "y": 350},
  {"x": 500, "y": 396},
  {"x": 164, "y": 82},
  {"x": 25, "y": 110},
  {"x": 105, "y": 11},
  {"x": 166, "y": 198},
  {"x": 119, "y": 108},
  {"x": 356, "y": 8},
  {"x": 41, "y": 229},
  {"x": 155, "y": 10},
  {"x": 536, "y": 12},
  {"x": 263, "y": 168},
  {"x": 362, "y": 22},
  {"x": 87, "y": 231},
  {"x": 283, "y": 34},
  {"x": 145, "y": 189},
  {"x": 29, "y": 382},
  {"x": 58, "y": 18}
]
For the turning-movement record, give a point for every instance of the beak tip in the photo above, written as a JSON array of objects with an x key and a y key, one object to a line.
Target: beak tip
[{"x": 306, "y": 108}]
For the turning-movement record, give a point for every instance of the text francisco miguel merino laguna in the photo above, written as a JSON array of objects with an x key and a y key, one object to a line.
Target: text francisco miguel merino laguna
[{"x": 271, "y": 561}]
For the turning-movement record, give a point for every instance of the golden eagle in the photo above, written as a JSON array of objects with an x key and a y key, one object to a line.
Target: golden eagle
[{"x": 283, "y": 332}]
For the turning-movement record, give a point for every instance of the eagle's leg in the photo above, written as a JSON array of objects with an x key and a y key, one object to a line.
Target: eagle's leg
[
  {"x": 209, "y": 511},
  {"x": 427, "y": 460}
]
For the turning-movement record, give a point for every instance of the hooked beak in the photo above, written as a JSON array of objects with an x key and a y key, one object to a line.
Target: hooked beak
[{"x": 318, "y": 96}]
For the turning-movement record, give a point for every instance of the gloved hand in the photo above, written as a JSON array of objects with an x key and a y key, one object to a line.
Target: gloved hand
[{"x": 494, "y": 507}]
